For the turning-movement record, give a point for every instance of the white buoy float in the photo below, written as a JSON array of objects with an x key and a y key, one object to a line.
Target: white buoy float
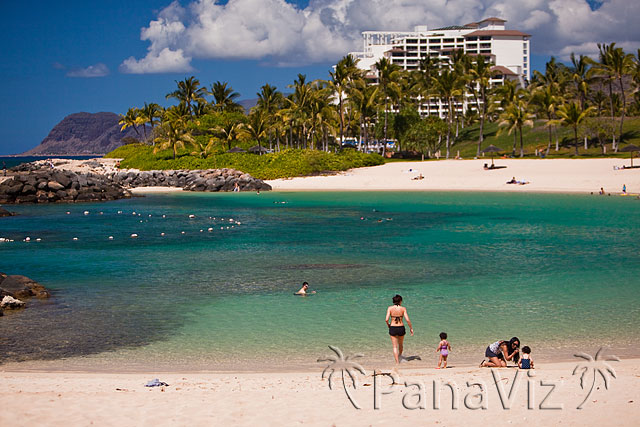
[
  {"x": 119, "y": 212},
  {"x": 38, "y": 239},
  {"x": 201, "y": 230},
  {"x": 192, "y": 216},
  {"x": 210, "y": 229},
  {"x": 164, "y": 216},
  {"x": 110, "y": 237},
  {"x": 27, "y": 239},
  {"x": 86, "y": 212},
  {"x": 68, "y": 213},
  {"x": 162, "y": 234},
  {"x": 184, "y": 232},
  {"x": 134, "y": 235},
  {"x": 75, "y": 238},
  {"x": 133, "y": 213}
]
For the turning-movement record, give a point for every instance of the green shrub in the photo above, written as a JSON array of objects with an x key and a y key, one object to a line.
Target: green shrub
[{"x": 284, "y": 164}]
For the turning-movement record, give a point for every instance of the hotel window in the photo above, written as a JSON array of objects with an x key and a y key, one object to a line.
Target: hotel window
[
  {"x": 472, "y": 38},
  {"x": 447, "y": 40},
  {"x": 524, "y": 60},
  {"x": 460, "y": 39},
  {"x": 412, "y": 41},
  {"x": 485, "y": 37},
  {"x": 485, "y": 45},
  {"x": 434, "y": 40}
]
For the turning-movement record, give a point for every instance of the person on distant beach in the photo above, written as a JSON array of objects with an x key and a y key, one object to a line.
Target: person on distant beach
[
  {"x": 526, "y": 362},
  {"x": 500, "y": 352},
  {"x": 513, "y": 181},
  {"x": 396, "y": 327},
  {"x": 4, "y": 168},
  {"x": 303, "y": 290},
  {"x": 624, "y": 188},
  {"x": 236, "y": 187},
  {"x": 601, "y": 191},
  {"x": 444, "y": 348}
]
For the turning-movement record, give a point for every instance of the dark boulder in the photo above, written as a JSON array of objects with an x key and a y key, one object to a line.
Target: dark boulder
[{"x": 22, "y": 287}]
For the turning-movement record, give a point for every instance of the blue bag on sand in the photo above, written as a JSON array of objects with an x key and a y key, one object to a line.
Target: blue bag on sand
[{"x": 155, "y": 383}]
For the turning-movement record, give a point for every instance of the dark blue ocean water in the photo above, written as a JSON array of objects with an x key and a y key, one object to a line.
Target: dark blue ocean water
[
  {"x": 561, "y": 272},
  {"x": 11, "y": 161}
]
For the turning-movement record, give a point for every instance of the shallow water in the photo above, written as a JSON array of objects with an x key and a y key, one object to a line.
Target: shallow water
[{"x": 561, "y": 272}]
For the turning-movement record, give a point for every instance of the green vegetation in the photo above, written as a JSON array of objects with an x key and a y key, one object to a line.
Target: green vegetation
[
  {"x": 284, "y": 164},
  {"x": 585, "y": 109}
]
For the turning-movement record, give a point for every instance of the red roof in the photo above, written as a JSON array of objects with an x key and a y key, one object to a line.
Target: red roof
[
  {"x": 499, "y": 69},
  {"x": 497, "y": 33},
  {"x": 493, "y": 19}
]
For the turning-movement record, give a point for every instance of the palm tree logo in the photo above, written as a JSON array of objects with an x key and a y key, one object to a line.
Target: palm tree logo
[
  {"x": 343, "y": 364},
  {"x": 592, "y": 367}
]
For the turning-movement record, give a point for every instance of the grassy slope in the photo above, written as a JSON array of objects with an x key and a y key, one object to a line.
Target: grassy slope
[{"x": 537, "y": 137}]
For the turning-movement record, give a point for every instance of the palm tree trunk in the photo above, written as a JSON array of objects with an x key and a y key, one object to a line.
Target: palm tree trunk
[
  {"x": 624, "y": 104},
  {"x": 521, "y": 143},
  {"x": 613, "y": 136},
  {"x": 549, "y": 145},
  {"x": 513, "y": 151},
  {"x": 575, "y": 134},
  {"x": 555, "y": 131}
]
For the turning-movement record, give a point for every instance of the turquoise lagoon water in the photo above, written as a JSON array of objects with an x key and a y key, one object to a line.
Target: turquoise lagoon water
[{"x": 561, "y": 272}]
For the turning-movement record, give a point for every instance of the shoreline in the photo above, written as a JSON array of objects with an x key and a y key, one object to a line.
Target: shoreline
[{"x": 562, "y": 176}]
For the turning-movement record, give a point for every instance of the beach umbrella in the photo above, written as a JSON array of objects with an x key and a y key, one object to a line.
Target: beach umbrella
[
  {"x": 492, "y": 149},
  {"x": 630, "y": 149},
  {"x": 236, "y": 150}
]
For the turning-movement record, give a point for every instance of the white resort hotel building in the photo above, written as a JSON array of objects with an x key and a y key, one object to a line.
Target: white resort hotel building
[{"x": 507, "y": 50}]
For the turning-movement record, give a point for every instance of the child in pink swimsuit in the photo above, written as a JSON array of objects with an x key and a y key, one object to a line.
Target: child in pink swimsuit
[{"x": 444, "y": 348}]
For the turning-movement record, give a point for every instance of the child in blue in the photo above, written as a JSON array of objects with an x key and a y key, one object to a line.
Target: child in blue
[
  {"x": 444, "y": 348},
  {"x": 525, "y": 361}
]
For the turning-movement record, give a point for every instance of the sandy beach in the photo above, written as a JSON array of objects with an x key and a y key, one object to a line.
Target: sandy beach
[
  {"x": 304, "y": 398},
  {"x": 551, "y": 175}
]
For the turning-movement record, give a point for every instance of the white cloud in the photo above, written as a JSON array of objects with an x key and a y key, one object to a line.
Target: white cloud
[
  {"x": 325, "y": 30},
  {"x": 97, "y": 70}
]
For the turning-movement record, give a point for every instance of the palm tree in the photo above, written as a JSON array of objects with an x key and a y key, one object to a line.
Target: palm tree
[
  {"x": 173, "y": 131},
  {"x": 130, "y": 120},
  {"x": 479, "y": 82},
  {"x": 594, "y": 365},
  {"x": 256, "y": 127},
  {"x": 447, "y": 85},
  {"x": 364, "y": 99},
  {"x": 388, "y": 74},
  {"x": 269, "y": 102},
  {"x": 230, "y": 130},
  {"x": 148, "y": 114},
  {"x": 224, "y": 97},
  {"x": 572, "y": 115},
  {"x": 515, "y": 117},
  {"x": 188, "y": 92},
  {"x": 620, "y": 65},
  {"x": 602, "y": 69},
  {"x": 580, "y": 76},
  {"x": 297, "y": 110},
  {"x": 546, "y": 104},
  {"x": 346, "y": 71},
  {"x": 342, "y": 363}
]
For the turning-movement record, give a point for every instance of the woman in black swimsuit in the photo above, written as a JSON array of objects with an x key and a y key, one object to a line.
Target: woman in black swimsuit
[{"x": 396, "y": 328}]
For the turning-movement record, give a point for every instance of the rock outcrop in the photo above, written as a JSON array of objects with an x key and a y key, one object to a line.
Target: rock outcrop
[
  {"x": 46, "y": 186},
  {"x": 84, "y": 133},
  {"x": 4, "y": 212},
  {"x": 209, "y": 180},
  {"x": 21, "y": 287}
]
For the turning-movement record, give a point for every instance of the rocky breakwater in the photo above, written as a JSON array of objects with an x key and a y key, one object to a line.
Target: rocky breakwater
[
  {"x": 55, "y": 185},
  {"x": 15, "y": 289},
  {"x": 191, "y": 180}
]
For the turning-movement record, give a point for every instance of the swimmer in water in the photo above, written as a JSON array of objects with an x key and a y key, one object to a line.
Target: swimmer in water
[{"x": 303, "y": 290}]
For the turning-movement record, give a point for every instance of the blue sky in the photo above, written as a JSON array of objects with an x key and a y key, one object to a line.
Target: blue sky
[{"x": 60, "y": 58}]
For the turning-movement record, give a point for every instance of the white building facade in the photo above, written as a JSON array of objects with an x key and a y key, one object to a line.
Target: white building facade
[{"x": 508, "y": 51}]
